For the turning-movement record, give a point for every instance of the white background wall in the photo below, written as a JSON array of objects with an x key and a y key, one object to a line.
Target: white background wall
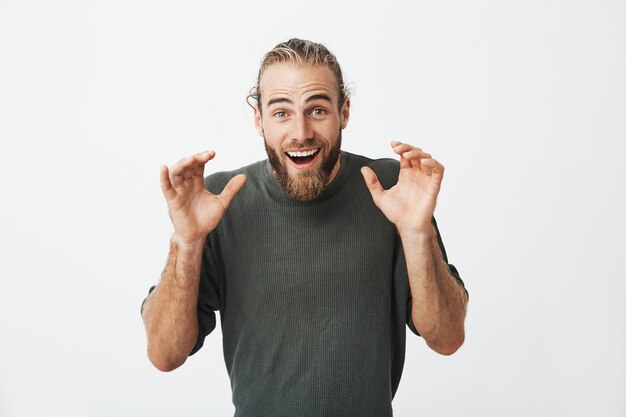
[{"x": 524, "y": 102}]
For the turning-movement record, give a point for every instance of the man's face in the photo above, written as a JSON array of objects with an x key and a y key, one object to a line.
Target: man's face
[{"x": 301, "y": 125}]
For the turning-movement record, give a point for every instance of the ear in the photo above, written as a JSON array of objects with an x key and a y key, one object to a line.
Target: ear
[
  {"x": 345, "y": 113},
  {"x": 258, "y": 120}
]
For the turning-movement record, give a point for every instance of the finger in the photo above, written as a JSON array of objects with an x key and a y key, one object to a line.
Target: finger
[
  {"x": 427, "y": 165},
  {"x": 201, "y": 159},
  {"x": 432, "y": 167},
  {"x": 438, "y": 170},
  {"x": 189, "y": 167},
  {"x": 405, "y": 163},
  {"x": 400, "y": 148},
  {"x": 198, "y": 170},
  {"x": 408, "y": 151},
  {"x": 191, "y": 162},
  {"x": 232, "y": 188},
  {"x": 373, "y": 184},
  {"x": 416, "y": 153},
  {"x": 196, "y": 174},
  {"x": 177, "y": 171},
  {"x": 166, "y": 184},
  {"x": 409, "y": 154}
]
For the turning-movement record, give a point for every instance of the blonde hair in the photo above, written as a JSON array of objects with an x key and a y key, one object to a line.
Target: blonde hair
[{"x": 300, "y": 52}]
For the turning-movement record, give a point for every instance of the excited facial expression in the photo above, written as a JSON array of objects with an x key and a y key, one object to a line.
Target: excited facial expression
[{"x": 301, "y": 124}]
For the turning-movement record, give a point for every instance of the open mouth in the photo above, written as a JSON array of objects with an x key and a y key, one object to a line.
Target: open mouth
[{"x": 302, "y": 157}]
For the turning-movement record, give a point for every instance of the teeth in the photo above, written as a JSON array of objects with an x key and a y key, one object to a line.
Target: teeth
[{"x": 299, "y": 154}]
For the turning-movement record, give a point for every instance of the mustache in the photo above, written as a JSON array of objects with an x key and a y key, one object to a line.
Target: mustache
[{"x": 303, "y": 144}]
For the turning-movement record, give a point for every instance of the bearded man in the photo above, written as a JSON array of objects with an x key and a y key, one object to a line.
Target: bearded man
[{"x": 317, "y": 259}]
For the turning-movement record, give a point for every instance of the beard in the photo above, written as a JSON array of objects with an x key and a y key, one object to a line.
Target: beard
[{"x": 306, "y": 185}]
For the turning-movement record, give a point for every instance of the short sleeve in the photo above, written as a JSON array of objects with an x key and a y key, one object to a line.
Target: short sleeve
[
  {"x": 453, "y": 271},
  {"x": 208, "y": 297}
]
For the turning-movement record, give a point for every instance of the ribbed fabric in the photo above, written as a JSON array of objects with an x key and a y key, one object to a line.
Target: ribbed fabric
[{"x": 313, "y": 297}]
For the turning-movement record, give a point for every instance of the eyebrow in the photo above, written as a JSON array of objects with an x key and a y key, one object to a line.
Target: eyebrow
[
  {"x": 322, "y": 96},
  {"x": 279, "y": 100},
  {"x": 314, "y": 97}
]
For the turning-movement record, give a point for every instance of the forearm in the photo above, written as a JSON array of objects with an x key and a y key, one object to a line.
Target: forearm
[
  {"x": 170, "y": 311},
  {"x": 438, "y": 300}
]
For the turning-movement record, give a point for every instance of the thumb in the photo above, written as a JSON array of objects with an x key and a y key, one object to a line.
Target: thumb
[
  {"x": 372, "y": 183},
  {"x": 232, "y": 188}
]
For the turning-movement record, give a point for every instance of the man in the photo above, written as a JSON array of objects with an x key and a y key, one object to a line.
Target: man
[{"x": 317, "y": 259}]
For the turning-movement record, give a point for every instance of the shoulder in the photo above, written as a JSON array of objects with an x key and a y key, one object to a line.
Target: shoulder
[
  {"x": 386, "y": 169},
  {"x": 216, "y": 182}
]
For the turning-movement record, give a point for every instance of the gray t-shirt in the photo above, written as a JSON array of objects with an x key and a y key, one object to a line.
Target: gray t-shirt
[{"x": 313, "y": 297}]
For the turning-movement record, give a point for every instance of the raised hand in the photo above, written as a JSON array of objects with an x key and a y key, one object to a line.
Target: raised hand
[
  {"x": 411, "y": 202},
  {"x": 194, "y": 211}
]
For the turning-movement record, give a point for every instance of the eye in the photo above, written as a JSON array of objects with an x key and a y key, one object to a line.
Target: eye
[
  {"x": 280, "y": 114},
  {"x": 318, "y": 111}
]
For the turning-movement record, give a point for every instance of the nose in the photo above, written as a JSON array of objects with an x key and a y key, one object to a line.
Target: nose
[{"x": 302, "y": 129}]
